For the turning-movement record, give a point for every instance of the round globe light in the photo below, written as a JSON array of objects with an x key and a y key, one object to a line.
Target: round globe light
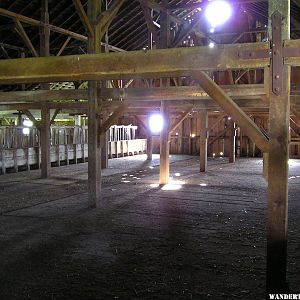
[
  {"x": 156, "y": 123},
  {"x": 218, "y": 12}
]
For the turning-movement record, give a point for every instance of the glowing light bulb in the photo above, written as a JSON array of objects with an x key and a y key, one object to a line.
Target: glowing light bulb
[
  {"x": 218, "y": 12},
  {"x": 156, "y": 123}
]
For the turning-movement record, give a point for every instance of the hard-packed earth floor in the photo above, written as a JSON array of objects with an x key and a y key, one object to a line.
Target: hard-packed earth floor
[{"x": 203, "y": 236}]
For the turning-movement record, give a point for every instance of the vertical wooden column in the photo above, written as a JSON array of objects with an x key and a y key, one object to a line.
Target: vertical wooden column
[
  {"x": 164, "y": 146},
  {"x": 149, "y": 139},
  {"x": 104, "y": 150},
  {"x": 45, "y": 112},
  {"x": 94, "y": 149},
  {"x": 231, "y": 141},
  {"x": 149, "y": 144},
  {"x": 203, "y": 140},
  {"x": 45, "y": 141},
  {"x": 105, "y": 136},
  {"x": 279, "y": 113},
  {"x": 164, "y": 137}
]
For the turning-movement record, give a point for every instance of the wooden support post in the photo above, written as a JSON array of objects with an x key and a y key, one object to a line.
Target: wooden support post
[
  {"x": 45, "y": 111},
  {"x": 164, "y": 146},
  {"x": 231, "y": 141},
  {"x": 94, "y": 149},
  {"x": 3, "y": 161},
  {"x": 203, "y": 140},
  {"x": 164, "y": 173},
  {"x": 265, "y": 165},
  {"x": 45, "y": 141},
  {"x": 149, "y": 22},
  {"x": 149, "y": 144},
  {"x": 149, "y": 136},
  {"x": 27, "y": 158},
  {"x": 104, "y": 150},
  {"x": 15, "y": 160},
  {"x": 279, "y": 114}
]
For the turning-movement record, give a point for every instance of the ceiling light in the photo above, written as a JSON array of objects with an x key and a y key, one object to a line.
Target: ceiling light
[
  {"x": 156, "y": 123},
  {"x": 218, "y": 12}
]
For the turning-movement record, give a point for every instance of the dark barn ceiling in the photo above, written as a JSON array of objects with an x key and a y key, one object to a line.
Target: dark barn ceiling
[{"x": 128, "y": 30}]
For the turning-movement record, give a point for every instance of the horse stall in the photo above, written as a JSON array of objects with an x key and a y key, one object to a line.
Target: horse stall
[{"x": 20, "y": 146}]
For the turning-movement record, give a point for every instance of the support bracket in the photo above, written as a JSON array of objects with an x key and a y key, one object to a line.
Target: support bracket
[{"x": 277, "y": 54}]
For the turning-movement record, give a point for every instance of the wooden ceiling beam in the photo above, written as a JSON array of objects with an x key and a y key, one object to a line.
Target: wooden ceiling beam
[
  {"x": 105, "y": 18},
  {"x": 173, "y": 18},
  {"x": 83, "y": 17},
  {"x": 127, "y": 65},
  {"x": 22, "y": 33},
  {"x": 33, "y": 22},
  {"x": 64, "y": 45},
  {"x": 134, "y": 94},
  {"x": 4, "y": 52},
  {"x": 149, "y": 22}
]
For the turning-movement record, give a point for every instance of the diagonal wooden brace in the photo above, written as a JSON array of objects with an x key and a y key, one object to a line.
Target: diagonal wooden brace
[{"x": 230, "y": 107}]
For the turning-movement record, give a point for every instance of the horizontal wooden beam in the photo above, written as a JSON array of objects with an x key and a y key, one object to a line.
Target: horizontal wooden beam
[
  {"x": 50, "y": 105},
  {"x": 181, "y": 92},
  {"x": 134, "y": 94},
  {"x": 250, "y": 105},
  {"x": 127, "y": 65},
  {"x": 42, "y": 95},
  {"x": 293, "y": 61}
]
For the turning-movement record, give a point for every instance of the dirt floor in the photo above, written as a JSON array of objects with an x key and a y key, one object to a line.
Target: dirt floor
[{"x": 201, "y": 237}]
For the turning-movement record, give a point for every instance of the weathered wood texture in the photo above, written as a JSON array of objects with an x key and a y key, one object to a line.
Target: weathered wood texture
[
  {"x": 203, "y": 140},
  {"x": 94, "y": 166},
  {"x": 278, "y": 167},
  {"x": 232, "y": 109},
  {"x": 164, "y": 146},
  {"x": 45, "y": 111},
  {"x": 133, "y": 64}
]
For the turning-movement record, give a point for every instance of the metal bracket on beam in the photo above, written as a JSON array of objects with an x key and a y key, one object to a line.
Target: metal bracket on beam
[{"x": 277, "y": 54}]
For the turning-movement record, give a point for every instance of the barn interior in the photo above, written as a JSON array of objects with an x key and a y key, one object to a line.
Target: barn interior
[{"x": 149, "y": 149}]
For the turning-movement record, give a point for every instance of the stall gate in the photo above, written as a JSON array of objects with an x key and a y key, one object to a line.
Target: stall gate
[{"x": 20, "y": 146}]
